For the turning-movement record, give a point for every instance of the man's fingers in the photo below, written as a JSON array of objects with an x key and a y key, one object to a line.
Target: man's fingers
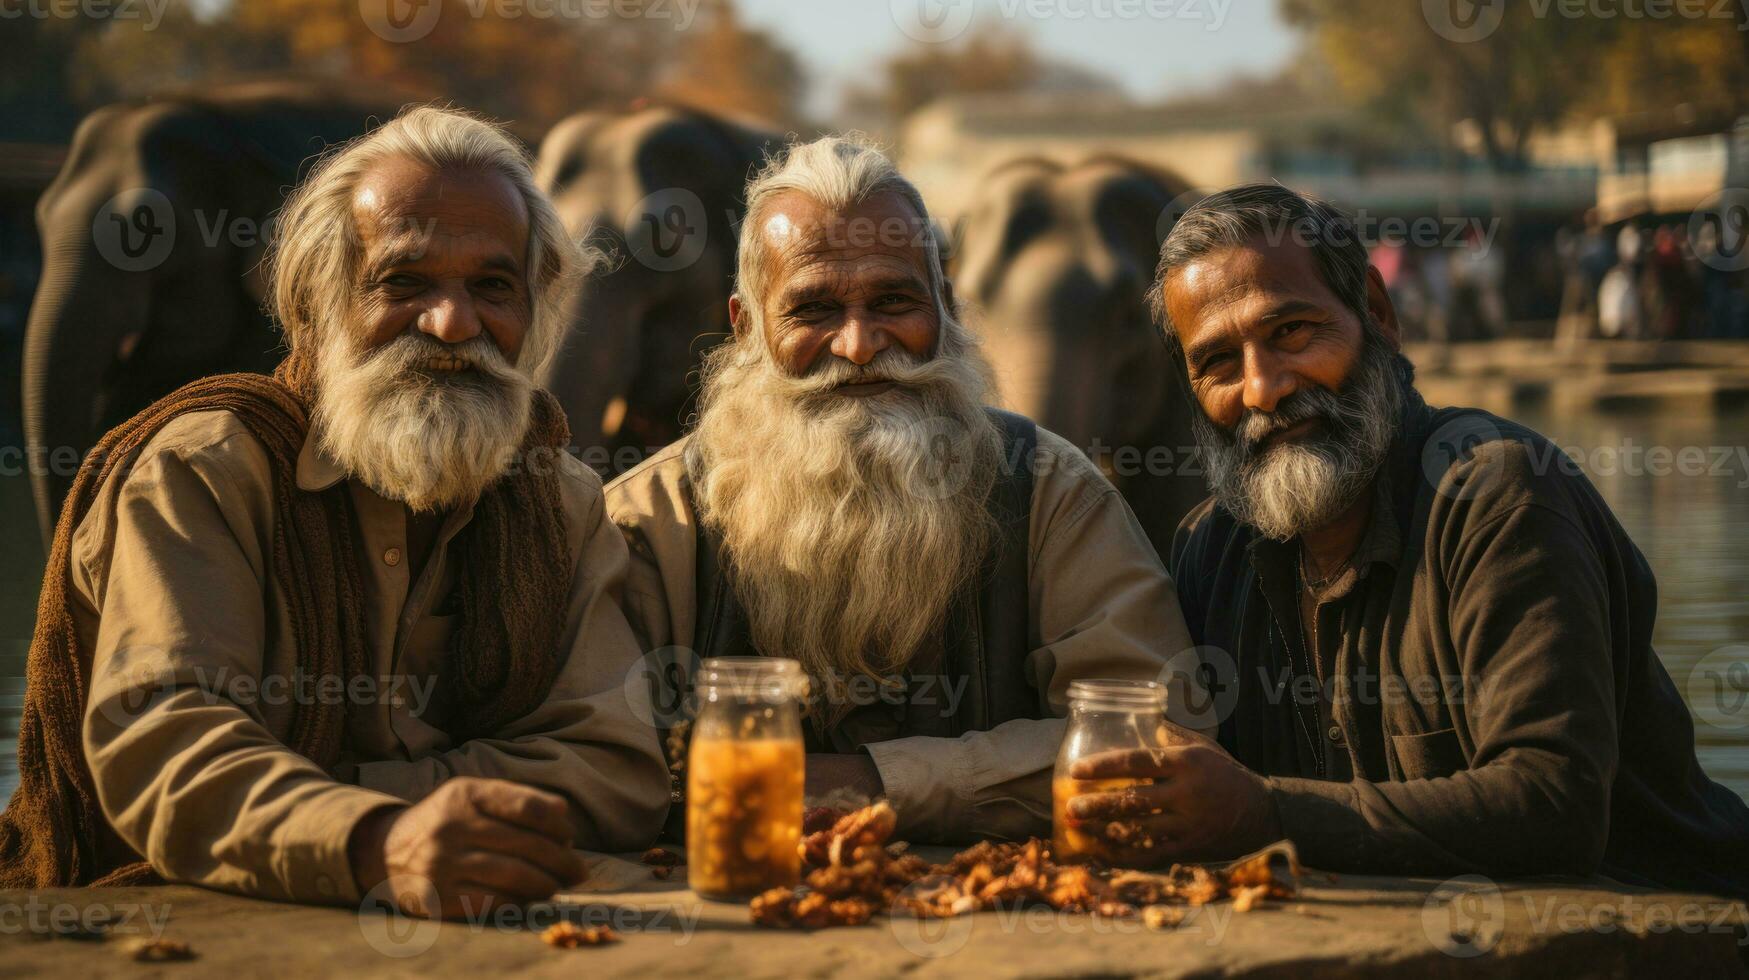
[
  {"x": 556, "y": 859},
  {"x": 1131, "y": 801},
  {"x": 504, "y": 876},
  {"x": 1126, "y": 763},
  {"x": 537, "y": 810}
]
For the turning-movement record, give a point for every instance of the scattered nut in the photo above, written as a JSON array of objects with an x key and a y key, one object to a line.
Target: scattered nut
[
  {"x": 569, "y": 935},
  {"x": 160, "y": 951}
]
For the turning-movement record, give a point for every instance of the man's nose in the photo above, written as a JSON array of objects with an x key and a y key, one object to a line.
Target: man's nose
[
  {"x": 859, "y": 340},
  {"x": 1267, "y": 380},
  {"x": 451, "y": 319}
]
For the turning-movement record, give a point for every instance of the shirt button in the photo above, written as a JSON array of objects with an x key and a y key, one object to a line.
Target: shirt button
[
  {"x": 392, "y": 557},
  {"x": 1334, "y": 734}
]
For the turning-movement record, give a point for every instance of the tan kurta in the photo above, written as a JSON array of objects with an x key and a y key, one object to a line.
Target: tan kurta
[
  {"x": 195, "y": 681},
  {"x": 1101, "y": 605}
]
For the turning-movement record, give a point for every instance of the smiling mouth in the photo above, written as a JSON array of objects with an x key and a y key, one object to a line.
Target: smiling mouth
[
  {"x": 447, "y": 364},
  {"x": 1293, "y": 433}
]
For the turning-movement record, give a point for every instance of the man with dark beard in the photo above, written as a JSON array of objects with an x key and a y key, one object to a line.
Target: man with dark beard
[
  {"x": 941, "y": 570},
  {"x": 355, "y": 625},
  {"x": 1432, "y": 637}
]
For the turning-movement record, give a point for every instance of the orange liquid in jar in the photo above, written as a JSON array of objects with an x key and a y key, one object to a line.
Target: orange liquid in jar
[
  {"x": 1069, "y": 845},
  {"x": 743, "y": 815}
]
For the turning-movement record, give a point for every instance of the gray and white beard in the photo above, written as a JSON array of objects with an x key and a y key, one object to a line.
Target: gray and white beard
[
  {"x": 1288, "y": 489},
  {"x": 431, "y": 439},
  {"x": 849, "y": 523}
]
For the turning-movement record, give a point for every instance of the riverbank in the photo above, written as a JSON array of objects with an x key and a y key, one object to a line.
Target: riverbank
[{"x": 1510, "y": 377}]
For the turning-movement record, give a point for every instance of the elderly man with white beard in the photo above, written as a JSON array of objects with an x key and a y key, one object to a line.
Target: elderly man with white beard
[
  {"x": 353, "y": 628},
  {"x": 1434, "y": 639},
  {"x": 942, "y": 570}
]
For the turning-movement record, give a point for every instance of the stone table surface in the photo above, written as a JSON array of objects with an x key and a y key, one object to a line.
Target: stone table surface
[{"x": 1345, "y": 926}]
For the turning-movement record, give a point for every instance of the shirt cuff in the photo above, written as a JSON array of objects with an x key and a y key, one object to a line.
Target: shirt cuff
[
  {"x": 311, "y": 857},
  {"x": 923, "y": 777},
  {"x": 1323, "y": 820}
]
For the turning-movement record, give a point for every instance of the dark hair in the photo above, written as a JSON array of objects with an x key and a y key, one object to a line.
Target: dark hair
[{"x": 1238, "y": 215}]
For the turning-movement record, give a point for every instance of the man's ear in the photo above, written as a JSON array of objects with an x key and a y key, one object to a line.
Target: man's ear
[
  {"x": 1378, "y": 303},
  {"x": 737, "y": 317}
]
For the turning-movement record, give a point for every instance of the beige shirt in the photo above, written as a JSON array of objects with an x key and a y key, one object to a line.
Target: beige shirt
[
  {"x": 194, "y": 679},
  {"x": 1101, "y": 605}
]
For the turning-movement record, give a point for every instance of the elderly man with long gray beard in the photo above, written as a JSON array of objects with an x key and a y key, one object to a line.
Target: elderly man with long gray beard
[
  {"x": 354, "y": 627},
  {"x": 942, "y": 570},
  {"x": 1432, "y": 638}
]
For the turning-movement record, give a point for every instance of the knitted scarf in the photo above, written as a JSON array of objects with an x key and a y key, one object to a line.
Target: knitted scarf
[{"x": 515, "y": 574}]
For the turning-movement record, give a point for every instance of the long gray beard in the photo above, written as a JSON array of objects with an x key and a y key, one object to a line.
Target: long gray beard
[
  {"x": 429, "y": 439},
  {"x": 1289, "y": 489},
  {"x": 849, "y": 524}
]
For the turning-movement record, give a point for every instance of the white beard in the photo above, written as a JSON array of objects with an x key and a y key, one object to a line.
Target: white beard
[
  {"x": 849, "y": 523},
  {"x": 431, "y": 439}
]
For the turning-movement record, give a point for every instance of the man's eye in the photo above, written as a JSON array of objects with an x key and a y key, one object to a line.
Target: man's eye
[
  {"x": 811, "y": 311},
  {"x": 1214, "y": 362},
  {"x": 494, "y": 282},
  {"x": 893, "y": 299},
  {"x": 1292, "y": 326}
]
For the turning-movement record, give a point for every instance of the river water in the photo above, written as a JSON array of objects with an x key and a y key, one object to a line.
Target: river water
[{"x": 1691, "y": 521}]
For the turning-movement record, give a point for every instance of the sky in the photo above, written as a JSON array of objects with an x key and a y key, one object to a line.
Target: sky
[{"x": 1155, "y": 49}]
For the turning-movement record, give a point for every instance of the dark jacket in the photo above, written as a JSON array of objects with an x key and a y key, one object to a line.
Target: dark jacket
[{"x": 1497, "y": 701}]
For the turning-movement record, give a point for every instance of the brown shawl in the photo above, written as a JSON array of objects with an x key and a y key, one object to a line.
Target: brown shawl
[{"x": 515, "y": 577}]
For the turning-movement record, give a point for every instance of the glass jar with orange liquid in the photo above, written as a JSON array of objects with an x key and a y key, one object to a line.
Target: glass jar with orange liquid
[
  {"x": 1104, "y": 716},
  {"x": 744, "y": 778}
]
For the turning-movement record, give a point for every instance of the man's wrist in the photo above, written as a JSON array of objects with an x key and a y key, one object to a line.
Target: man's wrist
[{"x": 365, "y": 846}]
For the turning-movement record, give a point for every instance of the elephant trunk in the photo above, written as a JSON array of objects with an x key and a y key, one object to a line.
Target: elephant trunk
[{"x": 83, "y": 313}]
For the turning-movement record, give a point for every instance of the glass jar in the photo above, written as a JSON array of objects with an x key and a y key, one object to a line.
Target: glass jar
[
  {"x": 1104, "y": 716},
  {"x": 744, "y": 778}
]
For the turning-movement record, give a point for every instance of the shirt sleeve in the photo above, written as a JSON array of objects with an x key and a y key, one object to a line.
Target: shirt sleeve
[
  {"x": 1531, "y": 629},
  {"x": 592, "y": 740},
  {"x": 1102, "y": 606},
  {"x": 185, "y": 768}
]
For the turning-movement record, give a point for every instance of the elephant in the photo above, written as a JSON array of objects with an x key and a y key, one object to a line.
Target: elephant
[
  {"x": 1054, "y": 261},
  {"x": 660, "y": 189},
  {"x": 153, "y": 234}
]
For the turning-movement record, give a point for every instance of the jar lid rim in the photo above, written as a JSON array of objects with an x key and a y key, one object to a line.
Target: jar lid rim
[{"x": 1126, "y": 693}]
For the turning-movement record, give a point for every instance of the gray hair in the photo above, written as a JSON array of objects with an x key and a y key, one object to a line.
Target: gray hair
[
  {"x": 839, "y": 172},
  {"x": 1238, "y": 215},
  {"x": 314, "y": 264}
]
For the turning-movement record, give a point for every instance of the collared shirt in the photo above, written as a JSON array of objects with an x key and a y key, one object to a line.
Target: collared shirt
[
  {"x": 195, "y": 675},
  {"x": 1100, "y": 603},
  {"x": 1494, "y": 683}
]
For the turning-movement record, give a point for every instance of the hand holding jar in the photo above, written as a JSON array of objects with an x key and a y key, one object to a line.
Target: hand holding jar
[{"x": 1133, "y": 790}]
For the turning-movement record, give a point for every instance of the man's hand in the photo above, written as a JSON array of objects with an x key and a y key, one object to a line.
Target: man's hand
[
  {"x": 1202, "y": 805},
  {"x": 830, "y": 773},
  {"x": 471, "y": 845}
]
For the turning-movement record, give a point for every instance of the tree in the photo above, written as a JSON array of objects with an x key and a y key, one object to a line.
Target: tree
[
  {"x": 987, "y": 60},
  {"x": 1512, "y": 68},
  {"x": 726, "y": 67}
]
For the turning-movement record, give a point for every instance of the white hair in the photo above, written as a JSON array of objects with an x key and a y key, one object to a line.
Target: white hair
[
  {"x": 839, "y": 172},
  {"x": 314, "y": 265}
]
